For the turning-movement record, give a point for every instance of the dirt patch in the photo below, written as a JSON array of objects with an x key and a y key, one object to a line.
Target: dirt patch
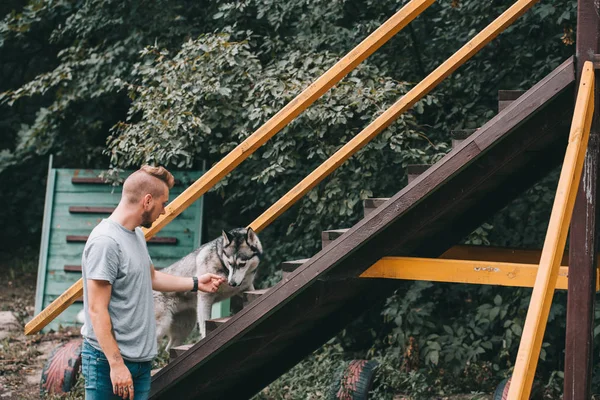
[{"x": 22, "y": 357}]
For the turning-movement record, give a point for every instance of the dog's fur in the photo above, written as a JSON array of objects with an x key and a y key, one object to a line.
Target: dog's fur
[{"x": 234, "y": 255}]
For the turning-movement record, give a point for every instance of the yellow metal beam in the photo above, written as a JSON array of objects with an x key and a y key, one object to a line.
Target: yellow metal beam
[
  {"x": 385, "y": 119},
  {"x": 294, "y": 108},
  {"x": 461, "y": 271},
  {"x": 554, "y": 244}
]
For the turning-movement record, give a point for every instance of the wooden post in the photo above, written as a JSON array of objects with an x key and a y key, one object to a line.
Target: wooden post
[
  {"x": 583, "y": 237},
  {"x": 554, "y": 244}
]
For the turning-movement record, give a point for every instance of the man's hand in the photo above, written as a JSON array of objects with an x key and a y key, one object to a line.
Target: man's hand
[
  {"x": 121, "y": 380},
  {"x": 210, "y": 283}
]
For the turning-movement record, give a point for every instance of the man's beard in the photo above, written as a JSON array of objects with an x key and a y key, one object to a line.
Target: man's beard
[{"x": 146, "y": 220}]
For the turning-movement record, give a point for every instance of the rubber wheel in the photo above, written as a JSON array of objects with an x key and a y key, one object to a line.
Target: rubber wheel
[
  {"x": 62, "y": 368},
  {"x": 355, "y": 381},
  {"x": 501, "y": 392}
]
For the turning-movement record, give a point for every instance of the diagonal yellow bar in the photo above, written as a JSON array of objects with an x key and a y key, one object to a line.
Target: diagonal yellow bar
[
  {"x": 402, "y": 105},
  {"x": 294, "y": 108},
  {"x": 554, "y": 244}
]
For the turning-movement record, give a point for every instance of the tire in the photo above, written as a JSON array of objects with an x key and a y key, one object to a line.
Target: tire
[
  {"x": 501, "y": 392},
  {"x": 355, "y": 381},
  {"x": 62, "y": 368}
]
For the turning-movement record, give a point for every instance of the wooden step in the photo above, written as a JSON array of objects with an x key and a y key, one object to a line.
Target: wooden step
[
  {"x": 154, "y": 240},
  {"x": 505, "y": 97},
  {"x": 329, "y": 236},
  {"x": 459, "y": 135},
  {"x": 290, "y": 266},
  {"x": 175, "y": 352},
  {"x": 77, "y": 180},
  {"x": 90, "y": 210},
  {"x": 242, "y": 300},
  {"x": 369, "y": 205},
  {"x": 414, "y": 170},
  {"x": 90, "y": 180},
  {"x": 213, "y": 324}
]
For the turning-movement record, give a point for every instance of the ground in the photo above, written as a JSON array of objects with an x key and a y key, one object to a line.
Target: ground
[{"x": 22, "y": 357}]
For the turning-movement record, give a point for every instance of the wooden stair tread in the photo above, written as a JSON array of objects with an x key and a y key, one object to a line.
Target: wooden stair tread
[
  {"x": 290, "y": 266},
  {"x": 330, "y": 235},
  {"x": 221, "y": 320},
  {"x": 257, "y": 292},
  {"x": 90, "y": 210},
  {"x": 154, "y": 240}
]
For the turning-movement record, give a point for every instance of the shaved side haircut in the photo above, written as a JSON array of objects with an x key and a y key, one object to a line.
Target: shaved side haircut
[{"x": 146, "y": 180}]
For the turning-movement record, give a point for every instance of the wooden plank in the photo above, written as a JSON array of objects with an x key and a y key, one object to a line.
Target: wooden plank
[
  {"x": 414, "y": 170},
  {"x": 509, "y": 95},
  {"x": 554, "y": 244},
  {"x": 291, "y": 266},
  {"x": 375, "y": 40},
  {"x": 419, "y": 221},
  {"x": 579, "y": 341},
  {"x": 390, "y": 115},
  {"x": 213, "y": 324},
  {"x": 45, "y": 241},
  {"x": 458, "y": 136},
  {"x": 154, "y": 240},
  {"x": 460, "y": 271},
  {"x": 88, "y": 181},
  {"x": 175, "y": 352},
  {"x": 90, "y": 210},
  {"x": 72, "y": 268},
  {"x": 78, "y": 180},
  {"x": 506, "y": 97}
]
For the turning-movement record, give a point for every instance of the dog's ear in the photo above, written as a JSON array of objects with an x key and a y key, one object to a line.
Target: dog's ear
[
  {"x": 253, "y": 241},
  {"x": 226, "y": 238}
]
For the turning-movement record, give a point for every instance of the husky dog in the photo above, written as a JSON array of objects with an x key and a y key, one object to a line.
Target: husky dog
[{"x": 234, "y": 255}]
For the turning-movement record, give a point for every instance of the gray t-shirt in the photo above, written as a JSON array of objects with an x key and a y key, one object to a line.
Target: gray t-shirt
[{"x": 115, "y": 254}]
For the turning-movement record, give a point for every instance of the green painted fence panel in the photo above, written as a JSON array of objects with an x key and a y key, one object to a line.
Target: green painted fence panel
[{"x": 63, "y": 191}]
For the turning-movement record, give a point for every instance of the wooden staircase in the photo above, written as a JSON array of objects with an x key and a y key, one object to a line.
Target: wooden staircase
[
  {"x": 276, "y": 328},
  {"x": 328, "y": 236}
]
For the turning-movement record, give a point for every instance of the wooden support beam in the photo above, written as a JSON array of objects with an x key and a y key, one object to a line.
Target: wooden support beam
[
  {"x": 583, "y": 239},
  {"x": 390, "y": 115},
  {"x": 461, "y": 271},
  {"x": 554, "y": 244}
]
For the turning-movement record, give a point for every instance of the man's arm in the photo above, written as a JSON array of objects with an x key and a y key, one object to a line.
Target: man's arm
[
  {"x": 98, "y": 299},
  {"x": 170, "y": 283}
]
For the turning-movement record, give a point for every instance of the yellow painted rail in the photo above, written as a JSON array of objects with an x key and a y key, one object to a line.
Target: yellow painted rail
[
  {"x": 385, "y": 119},
  {"x": 462, "y": 271},
  {"x": 554, "y": 244},
  {"x": 294, "y": 108}
]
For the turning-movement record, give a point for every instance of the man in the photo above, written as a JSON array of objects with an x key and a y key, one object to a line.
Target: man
[{"x": 118, "y": 279}]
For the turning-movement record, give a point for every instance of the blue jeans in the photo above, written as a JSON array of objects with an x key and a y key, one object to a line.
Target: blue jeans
[{"x": 96, "y": 371}]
